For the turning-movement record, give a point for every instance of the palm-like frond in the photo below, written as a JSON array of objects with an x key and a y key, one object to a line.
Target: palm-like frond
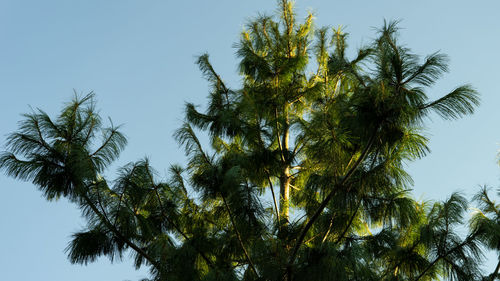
[{"x": 460, "y": 102}]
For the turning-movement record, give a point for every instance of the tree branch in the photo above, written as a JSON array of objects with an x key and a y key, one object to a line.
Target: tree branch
[
  {"x": 439, "y": 257},
  {"x": 238, "y": 235},
  {"x": 329, "y": 197},
  {"x": 155, "y": 188},
  {"x": 274, "y": 197},
  {"x": 115, "y": 231}
]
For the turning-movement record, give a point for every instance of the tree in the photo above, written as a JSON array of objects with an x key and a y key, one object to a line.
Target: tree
[{"x": 303, "y": 178}]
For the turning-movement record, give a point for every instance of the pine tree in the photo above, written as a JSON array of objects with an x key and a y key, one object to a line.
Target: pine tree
[{"x": 303, "y": 178}]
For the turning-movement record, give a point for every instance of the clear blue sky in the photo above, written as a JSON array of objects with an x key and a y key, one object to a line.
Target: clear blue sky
[{"x": 138, "y": 56}]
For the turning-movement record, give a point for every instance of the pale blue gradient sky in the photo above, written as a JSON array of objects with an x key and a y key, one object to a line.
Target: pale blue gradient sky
[{"x": 138, "y": 56}]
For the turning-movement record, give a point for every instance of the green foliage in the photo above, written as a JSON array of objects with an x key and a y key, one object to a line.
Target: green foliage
[{"x": 304, "y": 178}]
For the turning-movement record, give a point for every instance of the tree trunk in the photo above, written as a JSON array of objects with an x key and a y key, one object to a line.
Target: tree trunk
[
  {"x": 285, "y": 175},
  {"x": 285, "y": 194}
]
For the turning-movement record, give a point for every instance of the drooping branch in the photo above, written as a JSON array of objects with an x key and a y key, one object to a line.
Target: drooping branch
[
  {"x": 120, "y": 236},
  {"x": 171, "y": 222}
]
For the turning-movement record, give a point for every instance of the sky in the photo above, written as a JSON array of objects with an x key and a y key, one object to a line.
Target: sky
[{"x": 138, "y": 57}]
